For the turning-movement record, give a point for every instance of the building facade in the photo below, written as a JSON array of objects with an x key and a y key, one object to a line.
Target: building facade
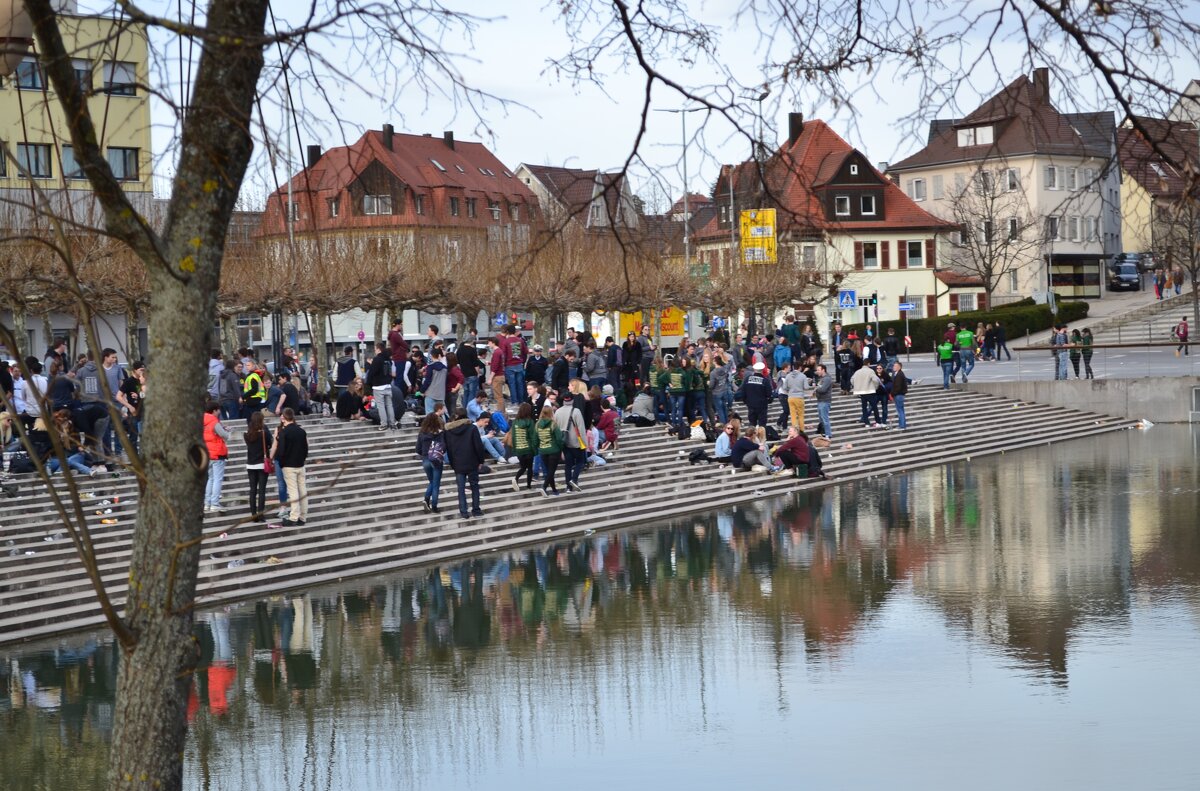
[
  {"x": 1042, "y": 188},
  {"x": 1153, "y": 185}
]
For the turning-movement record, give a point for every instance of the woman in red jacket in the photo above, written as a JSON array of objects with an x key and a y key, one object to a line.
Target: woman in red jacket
[
  {"x": 607, "y": 424},
  {"x": 218, "y": 453}
]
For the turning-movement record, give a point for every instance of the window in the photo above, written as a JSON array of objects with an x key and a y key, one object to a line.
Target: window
[
  {"x": 379, "y": 246},
  {"x": 854, "y": 170},
  {"x": 1012, "y": 180},
  {"x": 438, "y": 165},
  {"x": 916, "y": 258},
  {"x": 292, "y": 211},
  {"x": 1051, "y": 175},
  {"x": 33, "y": 159},
  {"x": 1073, "y": 229},
  {"x": 960, "y": 184},
  {"x": 841, "y": 205},
  {"x": 30, "y": 76},
  {"x": 83, "y": 73},
  {"x": 380, "y": 204},
  {"x": 70, "y": 168},
  {"x": 124, "y": 163},
  {"x": 961, "y": 236},
  {"x": 1072, "y": 178},
  {"x": 1012, "y": 281},
  {"x": 514, "y": 212},
  {"x": 334, "y": 205},
  {"x": 1014, "y": 228},
  {"x": 939, "y": 188},
  {"x": 1052, "y": 227},
  {"x": 471, "y": 210},
  {"x": 966, "y": 302},
  {"x": 494, "y": 208},
  {"x": 120, "y": 79},
  {"x": 460, "y": 168},
  {"x": 594, "y": 213},
  {"x": 975, "y": 136},
  {"x": 866, "y": 204},
  {"x": 918, "y": 309},
  {"x": 916, "y": 189},
  {"x": 985, "y": 230},
  {"x": 419, "y": 204},
  {"x": 723, "y": 211},
  {"x": 454, "y": 207},
  {"x": 1090, "y": 177},
  {"x": 1096, "y": 226},
  {"x": 983, "y": 182},
  {"x": 454, "y": 249},
  {"x": 870, "y": 255},
  {"x": 809, "y": 255}
]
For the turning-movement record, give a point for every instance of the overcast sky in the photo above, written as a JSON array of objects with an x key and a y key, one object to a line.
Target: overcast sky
[{"x": 553, "y": 120}]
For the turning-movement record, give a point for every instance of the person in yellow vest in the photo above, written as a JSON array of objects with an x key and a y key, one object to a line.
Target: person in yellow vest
[{"x": 254, "y": 393}]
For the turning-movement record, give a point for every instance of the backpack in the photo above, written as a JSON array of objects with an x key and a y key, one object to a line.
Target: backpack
[
  {"x": 772, "y": 434},
  {"x": 783, "y": 355},
  {"x": 683, "y": 431},
  {"x": 499, "y": 422},
  {"x": 436, "y": 452},
  {"x": 698, "y": 455}
]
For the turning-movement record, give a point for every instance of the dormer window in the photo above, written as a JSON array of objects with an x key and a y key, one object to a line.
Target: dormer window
[
  {"x": 841, "y": 205},
  {"x": 975, "y": 136},
  {"x": 866, "y": 204}
]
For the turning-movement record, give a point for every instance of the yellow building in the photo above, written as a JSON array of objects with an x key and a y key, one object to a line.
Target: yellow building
[{"x": 111, "y": 59}]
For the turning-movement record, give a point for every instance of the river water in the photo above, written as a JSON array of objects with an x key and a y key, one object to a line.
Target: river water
[{"x": 1025, "y": 621}]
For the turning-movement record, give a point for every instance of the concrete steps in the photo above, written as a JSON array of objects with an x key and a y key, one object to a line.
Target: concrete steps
[
  {"x": 372, "y": 521},
  {"x": 1151, "y": 322}
]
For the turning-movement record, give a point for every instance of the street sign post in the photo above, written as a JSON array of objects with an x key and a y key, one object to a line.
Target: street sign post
[{"x": 906, "y": 306}]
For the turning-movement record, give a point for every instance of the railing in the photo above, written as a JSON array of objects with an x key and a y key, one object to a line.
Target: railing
[{"x": 1111, "y": 360}]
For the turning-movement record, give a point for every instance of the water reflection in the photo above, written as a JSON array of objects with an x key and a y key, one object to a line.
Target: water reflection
[{"x": 983, "y": 581}]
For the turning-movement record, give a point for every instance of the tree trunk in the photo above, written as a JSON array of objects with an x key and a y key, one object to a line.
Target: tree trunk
[
  {"x": 378, "y": 329},
  {"x": 229, "y": 335},
  {"x": 132, "y": 346},
  {"x": 543, "y": 327},
  {"x": 320, "y": 353},
  {"x": 47, "y": 333},
  {"x": 20, "y": 332}
]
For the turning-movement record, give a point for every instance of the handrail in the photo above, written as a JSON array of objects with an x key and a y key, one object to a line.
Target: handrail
[{"x": 1146, "y": 344}]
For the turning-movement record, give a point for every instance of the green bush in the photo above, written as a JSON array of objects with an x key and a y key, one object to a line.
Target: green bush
[{"x": 1018, "y": 318}]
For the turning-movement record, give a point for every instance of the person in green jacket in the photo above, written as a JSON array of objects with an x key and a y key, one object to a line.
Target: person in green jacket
[
  {"x": 697, "y": 386},
  {"x": 677, "y": 388},
  {"x": 966, "y": 351},
  {"x": 945, "y": 356},
  {"x": 549, "y": 447},
  {"x": 662, "y": 383},
  {"x": 1086, "y": 340},
  {"x": 524, "y": 444}
]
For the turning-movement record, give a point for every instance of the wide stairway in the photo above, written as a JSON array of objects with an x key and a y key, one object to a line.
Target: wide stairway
[
  {"x": 366, "y": 486},
  {"x": 1150, "y": 323}
]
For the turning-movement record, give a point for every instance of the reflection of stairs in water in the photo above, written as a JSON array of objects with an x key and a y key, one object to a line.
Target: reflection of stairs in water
[{"x": 372, "y": 521}]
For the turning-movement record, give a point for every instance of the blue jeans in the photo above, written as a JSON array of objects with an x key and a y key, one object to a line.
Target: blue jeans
[
  {"x": 947, "y": 372},
  {"x": 281, "y": 484},
  {"x": 431, "y": 404},
  {"x": 575, "y": 460},
  {"x": 889, "y": 361},
  {"x": 677, "y": 403},
  {"x": 722, "y": 403},
  {"x": 870, "y": 409},
  {"x": 597, "y": 381},
  {"x": 899, "y": 399},
  {"x": 434, "y": 473},
  {"x": 662, "y": 404},
  {"x": 1060, "y": 371},
  {"x": 494, "y": 447},
  {"x": 230, "y": 410},
  {"x": 462, "y": 479},
  {"x": 76, "y": 461},
  {"x": 539, "y": 466},
  {"x": 470, "y": 389},
  {"x": 823, "y": 413},
  {"x": 514, "y": 376},
  {"x": 216, "y": 480},
  {"x": 968, "y": 361}
]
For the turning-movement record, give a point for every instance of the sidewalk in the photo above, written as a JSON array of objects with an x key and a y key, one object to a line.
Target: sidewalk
[{"x": 1110, "y": 309}]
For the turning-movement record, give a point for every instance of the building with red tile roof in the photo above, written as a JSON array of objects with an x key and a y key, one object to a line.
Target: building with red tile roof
[
  {"x": 837, "y": 216},
  {"x": 1048, "y": 177},
  {"x": 1160, "y": 163}
]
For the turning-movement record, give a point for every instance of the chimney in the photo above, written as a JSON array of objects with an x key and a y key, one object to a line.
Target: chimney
[
  {"x": 449, "y": 138},
  {"x": 882, "y": 167},
  {"x": 388, "y": 133},
  {"x": 314, "y": 155},
  {"x": 1041, "y": 83},
  {"x": 795, "y": 126}
]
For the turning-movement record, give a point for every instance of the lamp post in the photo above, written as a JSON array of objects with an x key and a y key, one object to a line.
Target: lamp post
[
  {"x": 16, "y": 35},
  {"x": 687, "y": 239}
]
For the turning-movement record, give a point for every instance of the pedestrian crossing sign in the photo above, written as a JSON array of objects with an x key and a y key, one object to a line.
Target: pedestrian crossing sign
[{"x": 847, "y": 300}]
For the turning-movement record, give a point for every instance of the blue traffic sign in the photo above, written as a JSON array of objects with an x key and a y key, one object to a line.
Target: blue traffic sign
[
  {"x": 847, "y": 300},
  {"x": 906, "y": 306}
]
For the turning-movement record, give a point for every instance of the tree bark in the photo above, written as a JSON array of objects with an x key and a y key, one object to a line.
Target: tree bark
[
  {"x": 320, "y": 354},
  {"x": 378, "y": 328},
  {"x": 20, "y": 332},
  {"x": 48, "y": 332},
  {"x": 133, "y": 348},
  {"x": 229, "y": 335}
]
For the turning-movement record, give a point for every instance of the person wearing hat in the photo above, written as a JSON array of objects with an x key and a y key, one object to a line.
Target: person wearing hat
[
  {"x": 536, "y": 366},
  {"x": 757, "y": 391}
]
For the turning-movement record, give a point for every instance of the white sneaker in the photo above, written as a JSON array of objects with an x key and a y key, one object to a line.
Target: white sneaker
[
  {"x": 513, "y": 460},
  {"x": 283, "y": 512},
  {"x": 758, "y": 468}
]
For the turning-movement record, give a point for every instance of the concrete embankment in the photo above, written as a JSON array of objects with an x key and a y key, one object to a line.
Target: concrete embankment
[
  {"x": 366, "y": 517},
  {"x": 1159, "y": 399}
]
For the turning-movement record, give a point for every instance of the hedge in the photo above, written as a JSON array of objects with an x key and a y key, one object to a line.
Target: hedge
[{"x": 1018, "y": 317}]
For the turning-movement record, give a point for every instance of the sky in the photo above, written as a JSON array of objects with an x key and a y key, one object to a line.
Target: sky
[{"x": 540, "y": 115}]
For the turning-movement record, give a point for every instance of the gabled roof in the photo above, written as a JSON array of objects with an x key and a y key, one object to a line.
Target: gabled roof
[
  {"x": 573, "y": 188},
  {"x": 1178, "y": 140},
  {"x": 796, "y": 174},
  {"x": 1024, "y": 122},
  {"x": 958, "y": 279}
]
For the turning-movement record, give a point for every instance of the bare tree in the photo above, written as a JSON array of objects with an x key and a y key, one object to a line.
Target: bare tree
[{"x": 998, "y": 232}]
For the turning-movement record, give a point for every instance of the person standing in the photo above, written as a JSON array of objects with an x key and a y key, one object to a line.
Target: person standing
[
  {"x": 230, "y": 388},
  {"x": 1076, "y": 353},
  {"x": 945, "y": 358},
  {"x": 536, "y": 366},
  {"x": 550, "y": 446},
  {"x": 648, "y": 350},
  {"x": 569, "y": 420},
  {"x": 796, "y": 385},
  {"x": 291, "y": 453},
  {"x": 215, "y": 436},
  {"x": 891, "y": 348},
  {"x": 346, "y": 370},
  {"x": 757, "y": 392},
  {"x": 1059, "y": 341},
  {"x": 524, "y": 445},
  {"x": 496, "y": 371},
  {"x": 465, "y": 452},
  {"x": 516, "y": 352},
  {"x": 966, "y": 351},
  {"x": 434, "y": 383},
  {"x": 595, "y": 366},
  {"x": 258, "y": 450},
  {"x": 899, "y": 392},
  {"x": 720, "y": 384},
  {"x": 823, "y": 391},
  {"x": 1001, "y": 342},
  {"x": 1160, "y": 282},
  {"x": 379, "y": 379},
  {"x": 397, "y": 347},
  {"x": 1177, "y": 277},
  {"x": 1180, "y": 332},
  {"x": 471, "y": 367},
  {"x": 866, "y": 386},
  {"x": 431, "y": 447},
  {"x": 560, "y": 373},
  {"x": 215, "y": 366},
  {"x": 254, "y": 394},
  {"x": 1087, "y": 353}
]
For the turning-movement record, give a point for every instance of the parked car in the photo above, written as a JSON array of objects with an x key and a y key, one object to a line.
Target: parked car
[
  {"x": 1145, "y": 262},
  {"x": 1124, "y": 275}
]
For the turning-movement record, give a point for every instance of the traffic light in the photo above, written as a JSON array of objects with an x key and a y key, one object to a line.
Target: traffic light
[{"x": 874, "y": 297}]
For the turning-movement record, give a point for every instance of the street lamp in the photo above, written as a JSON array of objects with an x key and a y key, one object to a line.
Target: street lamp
[{"x": 16, "y": 35}]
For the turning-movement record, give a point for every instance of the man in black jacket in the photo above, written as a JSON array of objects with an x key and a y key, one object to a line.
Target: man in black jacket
[
  {"x": 468, "y": 361},
  {"x": 290, "y": 453},
  {"x": 560, "y": 372},
  {"x": 536, "y": 366},
  {"x": 465, "y": 452}
]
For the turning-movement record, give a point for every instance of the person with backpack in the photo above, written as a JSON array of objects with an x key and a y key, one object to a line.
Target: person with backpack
[
  {"x": 595, "y": 366},
  {"x": 569, "y": 420},
  {"x": 1180, "y": 333},
  {"x": 431, "y": 448},
  {"x": 229, "y": 388}
]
